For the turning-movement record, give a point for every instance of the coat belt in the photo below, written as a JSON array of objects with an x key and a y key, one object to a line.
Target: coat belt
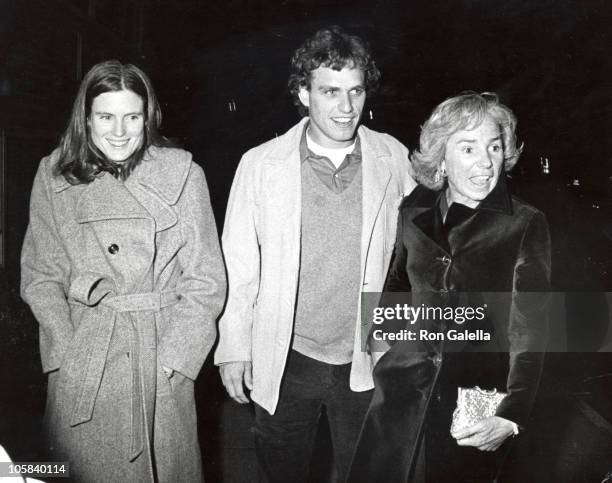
[
  {"x": 141, "y": 301},
  {"x": 91, "y": 291}
]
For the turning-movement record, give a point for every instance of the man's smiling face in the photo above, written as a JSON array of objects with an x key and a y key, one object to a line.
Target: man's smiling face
[{"x": 335, "y": 102}]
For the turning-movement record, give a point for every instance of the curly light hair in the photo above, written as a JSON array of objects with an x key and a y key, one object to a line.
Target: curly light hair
[{"x": 465, "y": 111}]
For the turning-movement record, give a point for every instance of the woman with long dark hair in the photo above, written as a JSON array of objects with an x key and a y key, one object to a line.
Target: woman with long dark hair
[{"x": 122, "y": 269}]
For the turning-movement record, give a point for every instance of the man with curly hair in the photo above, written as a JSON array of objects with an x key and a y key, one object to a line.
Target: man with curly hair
[{"x": 310, "y": 224}]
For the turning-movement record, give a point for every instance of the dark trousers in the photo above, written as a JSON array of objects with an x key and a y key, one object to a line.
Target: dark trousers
[{"x": 284, "y": 441}]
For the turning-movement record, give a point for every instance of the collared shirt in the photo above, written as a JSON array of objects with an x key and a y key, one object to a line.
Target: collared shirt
[{"x": 336, "y": 179}]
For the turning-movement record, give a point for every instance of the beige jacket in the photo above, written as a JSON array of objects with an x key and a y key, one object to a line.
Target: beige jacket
[{"x": 261, "y": 245}]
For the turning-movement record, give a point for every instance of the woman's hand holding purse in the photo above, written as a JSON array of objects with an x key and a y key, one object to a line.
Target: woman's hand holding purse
[{"x": 486, "y": 435}]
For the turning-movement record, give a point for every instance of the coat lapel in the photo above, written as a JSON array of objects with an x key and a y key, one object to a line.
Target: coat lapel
[
  {"x": 470, "y": 222},
  {"x": 158, "y": 182},
  {"x": 149, "y": 192},
  {"x": 376, "y": 177},
  {"x": 164, "y": 172},
  {"x": 430, "y": 223},
  {"x": 283, "y": 178},
  {"x": 107, "y": 198},
  {"x": 161, "y": 212}
]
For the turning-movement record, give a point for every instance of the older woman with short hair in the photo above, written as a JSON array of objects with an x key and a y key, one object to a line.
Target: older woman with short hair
[
  {"x": 457, "y": 114},
  {"x": 460, "y": 236}
]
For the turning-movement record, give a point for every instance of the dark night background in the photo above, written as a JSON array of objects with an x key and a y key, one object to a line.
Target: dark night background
[{"x": 550, "y": 61}]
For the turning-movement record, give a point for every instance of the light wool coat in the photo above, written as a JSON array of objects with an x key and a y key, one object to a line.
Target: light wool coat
[
  {"x": 124, "y": 278},
  {"x": 261, "y": 245}
]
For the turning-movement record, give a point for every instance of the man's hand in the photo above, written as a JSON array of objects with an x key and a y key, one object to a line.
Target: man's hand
[
  {"x": 486, "y": 435},
  {"x": 233, "y": 374}
]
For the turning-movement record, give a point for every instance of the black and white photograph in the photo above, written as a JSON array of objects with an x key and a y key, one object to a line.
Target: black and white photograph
[{"x": 284, "y": 241}]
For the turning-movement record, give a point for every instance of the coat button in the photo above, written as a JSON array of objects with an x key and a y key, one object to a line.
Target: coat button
[{"x": 113, "y": 249}]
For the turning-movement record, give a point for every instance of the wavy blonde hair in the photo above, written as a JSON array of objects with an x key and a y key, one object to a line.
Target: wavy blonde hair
[{"x": 463, "y": 112}]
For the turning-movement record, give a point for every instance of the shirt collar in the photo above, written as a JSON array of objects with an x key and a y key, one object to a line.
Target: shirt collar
[{"x": 306, "y": 153}]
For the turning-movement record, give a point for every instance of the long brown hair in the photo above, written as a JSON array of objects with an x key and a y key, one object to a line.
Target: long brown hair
[{"x": 80, "y": 160}]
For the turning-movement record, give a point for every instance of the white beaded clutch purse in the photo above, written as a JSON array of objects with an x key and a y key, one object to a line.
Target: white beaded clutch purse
[{"x": 473, "y": 405}]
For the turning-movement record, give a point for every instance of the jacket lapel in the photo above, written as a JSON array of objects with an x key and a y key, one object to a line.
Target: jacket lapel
[
  {"x": 149, "y": 192},
  {"x": 470, "y": 222},
  {"x": 284, "y": 180},
  {"x": 430, "y": 223},
  {"x": 161, "y": 212},
  {"x": 107, "y": 198},
  {"x": 157, "y": 184},
  {"x": 376, "y": 177}
]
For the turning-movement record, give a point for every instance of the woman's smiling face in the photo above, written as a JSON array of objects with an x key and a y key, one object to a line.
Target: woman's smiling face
[
  {"x": 116, "y": 124},
  {"x": 473, "y": 161}
]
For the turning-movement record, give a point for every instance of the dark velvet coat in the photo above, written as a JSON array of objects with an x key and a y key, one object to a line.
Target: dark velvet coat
[{"x": 497, "y": 254}]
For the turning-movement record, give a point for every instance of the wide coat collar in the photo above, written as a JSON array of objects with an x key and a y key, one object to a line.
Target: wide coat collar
[
  {"x": 430, "y": 220},
  {"x": 150, "y": 191}
]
